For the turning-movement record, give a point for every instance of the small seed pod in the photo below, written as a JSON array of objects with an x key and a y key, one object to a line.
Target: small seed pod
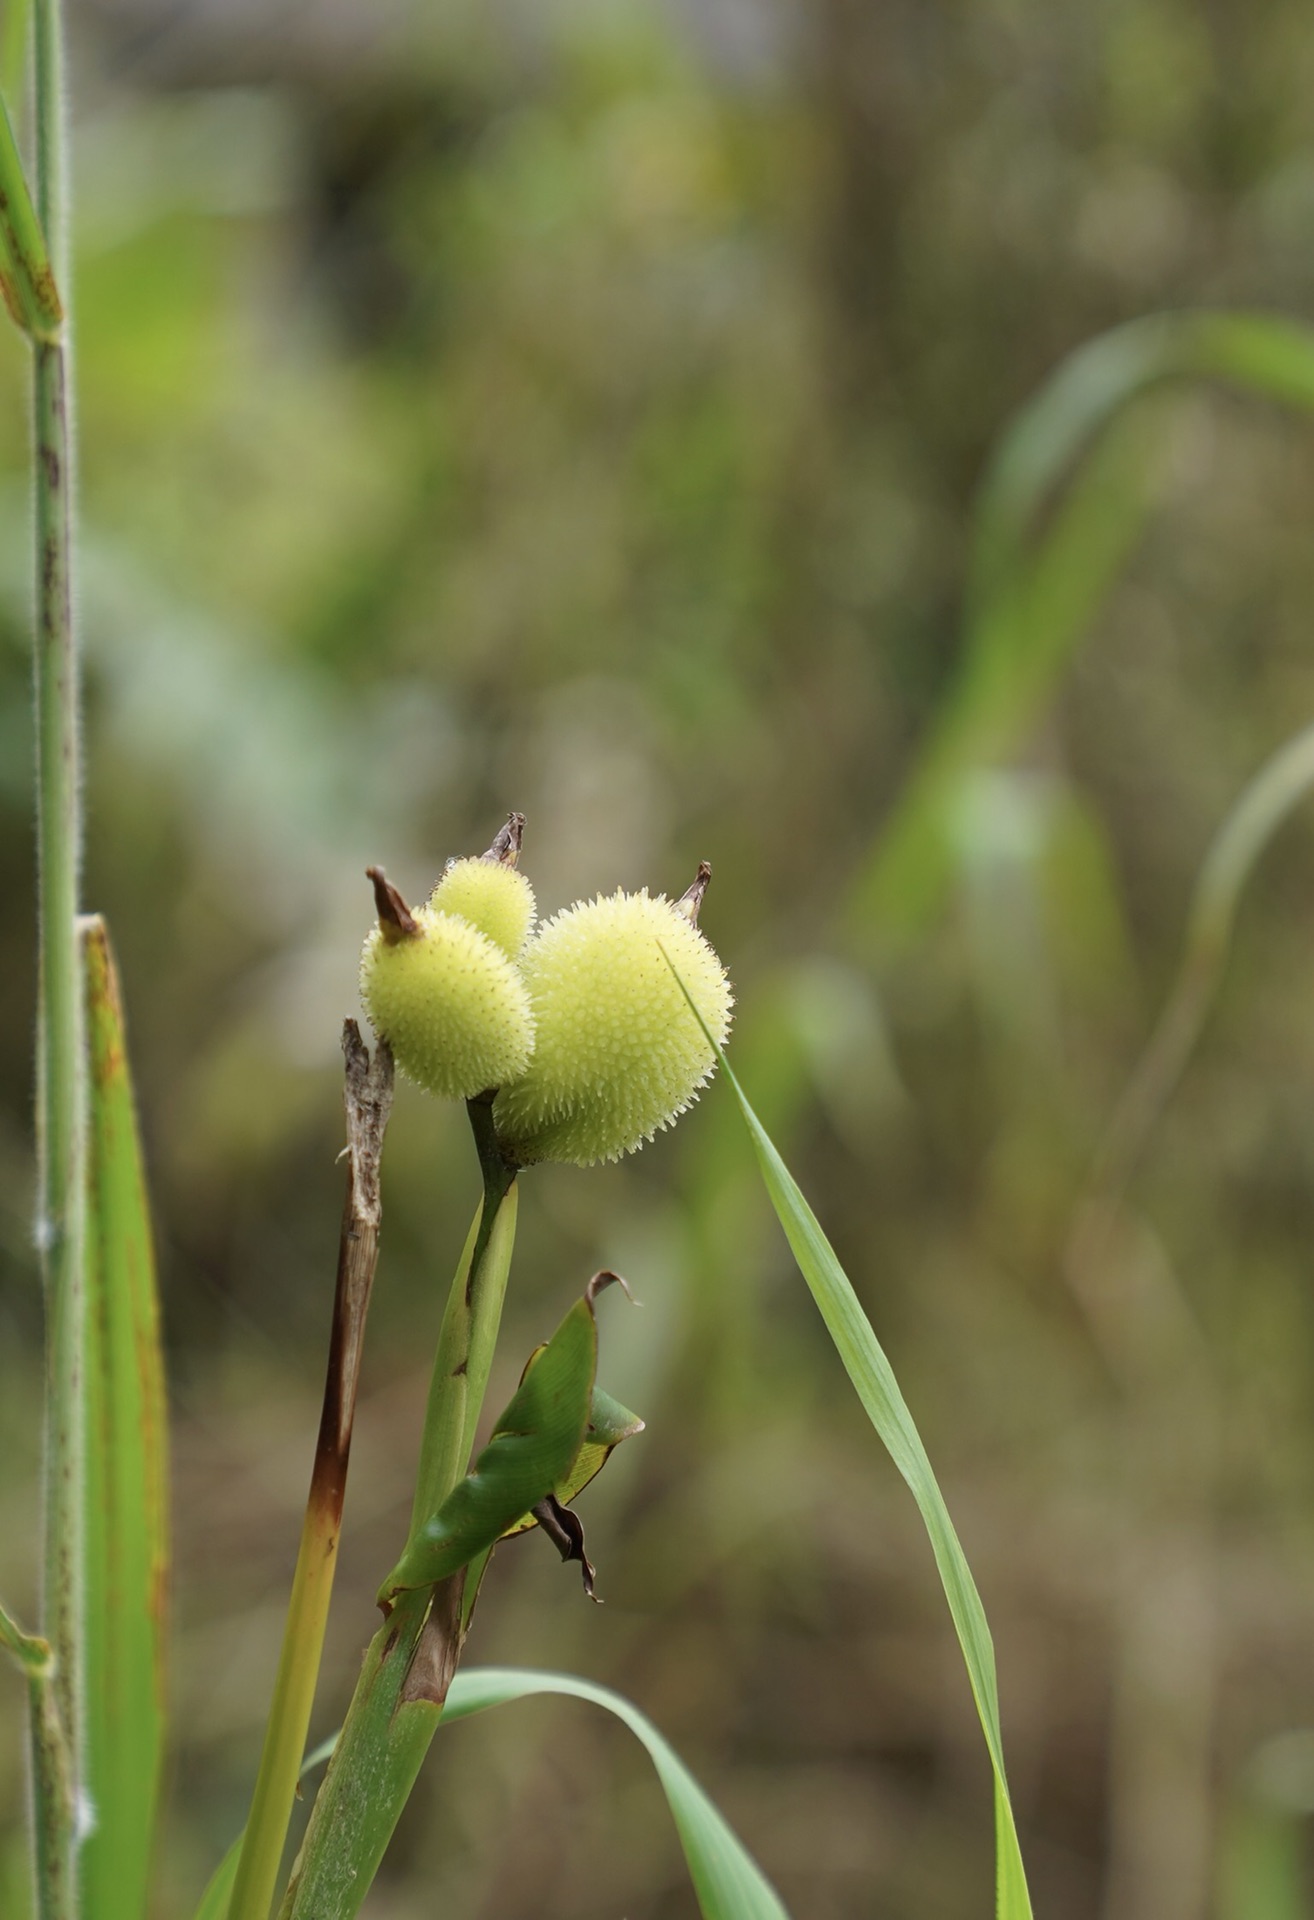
[
  {"x": 490, "y": 893},
  {"x": 618, "y": 1053},
  {"x": 448, "y": 1001},
  {"x": 497, "y": 900}
]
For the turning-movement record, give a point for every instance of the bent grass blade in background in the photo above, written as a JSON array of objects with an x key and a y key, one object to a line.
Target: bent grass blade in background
[
  {"x": 873, "y": 1378},
  {"x": 1264, "y": 804},
  {"x": 727, "y": 1882},
  {"x": 127, "y": 1475},
  {"x": 1028, "y": 600}
]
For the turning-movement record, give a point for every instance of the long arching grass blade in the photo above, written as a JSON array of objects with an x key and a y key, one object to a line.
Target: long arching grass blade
[
  {"x": 127, "y": 1471},
  {"x": 1032, "y": 589},
  {"x": 873, "y": 1379},
  {"x": 729, "y": 1885}
]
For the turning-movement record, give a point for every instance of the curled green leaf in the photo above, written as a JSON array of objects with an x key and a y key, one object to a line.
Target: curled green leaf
[
  {"x": 533, "y": 1448},
  {"x": 609, "y": 1424}
]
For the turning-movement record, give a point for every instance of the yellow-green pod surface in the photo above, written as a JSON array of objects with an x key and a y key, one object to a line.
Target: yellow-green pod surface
[
  {"x": 450, "y": 1004},
  {"x": 495, "y": 898},
  {"x": 618, "y": 1054}
]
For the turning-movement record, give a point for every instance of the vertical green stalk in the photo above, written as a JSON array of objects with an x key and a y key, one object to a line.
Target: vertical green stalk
[
  {"x": 61, "y": 1071},
  {"x": 413, "y": 1656},
  {"x": 469, "y": 1330}
]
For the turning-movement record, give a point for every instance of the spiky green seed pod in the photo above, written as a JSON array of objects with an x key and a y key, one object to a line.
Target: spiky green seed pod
[
  {"x": 618, "y": 1054},
  {"x": 450, "y": 1004},
  {"x": 495, "y": 898}
]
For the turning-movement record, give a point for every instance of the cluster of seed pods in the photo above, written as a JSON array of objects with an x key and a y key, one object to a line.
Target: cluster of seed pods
[{"x": 580, "y": 1026}]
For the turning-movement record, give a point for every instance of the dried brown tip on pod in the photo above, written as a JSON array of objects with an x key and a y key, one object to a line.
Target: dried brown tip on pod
[
  {"x": 505, "y": 850},
  {"x": 691, "y": 899},
  {"x": 396, "y": 921}
]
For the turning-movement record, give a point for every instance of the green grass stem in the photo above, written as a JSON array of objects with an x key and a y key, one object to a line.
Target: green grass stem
[{"x": 61, "y": 1067}]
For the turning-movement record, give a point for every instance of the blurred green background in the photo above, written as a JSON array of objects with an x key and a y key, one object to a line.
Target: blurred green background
[{"x": 579, "y": 409}]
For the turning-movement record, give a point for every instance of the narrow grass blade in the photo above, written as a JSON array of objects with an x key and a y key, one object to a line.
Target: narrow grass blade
[
  {"x": 127, "y": 1471},
  {"x": 1031, "y": 592},
  {"x": 869, "y": 1370},
  {"x": 873, "y": 1378},
  {"x": 729, "y": 1885}
]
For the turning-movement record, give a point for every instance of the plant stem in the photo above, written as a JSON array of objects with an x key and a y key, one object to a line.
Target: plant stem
[
  {"x": 52, "y": 1788},
  {"x": 61, "y": 1070},
  {"x": 49, "y": 1753},
  {"x": 368, "y": 1102},
  {"x": 469, "y": 1330},
  {"x": 413, "y": 1656}
]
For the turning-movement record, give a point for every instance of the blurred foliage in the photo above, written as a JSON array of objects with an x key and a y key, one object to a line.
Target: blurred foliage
[{"x": 579, "y": 408}]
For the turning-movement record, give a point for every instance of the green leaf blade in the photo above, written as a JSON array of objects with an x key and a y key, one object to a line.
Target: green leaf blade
[
  {"x": 728, "y": 1883},
  {"x": 872, "y": 1376},
  {"x": 531, "y": 1452},
  {"x": 865, "y": 1362},
  {"x": 127, "y": 1539}
]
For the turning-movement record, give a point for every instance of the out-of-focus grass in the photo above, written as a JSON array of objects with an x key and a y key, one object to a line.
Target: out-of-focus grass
[{"x": 588, "y": 422}]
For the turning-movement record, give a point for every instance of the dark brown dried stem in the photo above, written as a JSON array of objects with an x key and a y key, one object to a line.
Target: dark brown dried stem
[{"x": 368, "y": 1097}]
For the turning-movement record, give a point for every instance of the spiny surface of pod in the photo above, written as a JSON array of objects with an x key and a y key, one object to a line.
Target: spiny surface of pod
[
  {"x": 618, "y": 1053},
  {"x": 451, "y": 1005},
  {"x": 494, "y": 897}
]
